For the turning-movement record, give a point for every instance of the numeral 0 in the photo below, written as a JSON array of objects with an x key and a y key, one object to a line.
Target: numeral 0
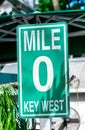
[{"x": 48, "y": 85}]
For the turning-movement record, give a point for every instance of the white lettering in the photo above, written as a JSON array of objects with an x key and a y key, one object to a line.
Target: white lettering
[
  {"x": 61, "y": 104},
  {"x": 31, "y": 106},
  {"x": 26, "y": 106},
  {"x": 35, "y": 40},
  {"x": 52, "y": 105},
  {"x": 29, "y": 41},
  {"x": 38, "y": 40},
  {"x": 44, "y": 47},
  {"x": 47, "y": 106},
  {"x": 56, "y": 104},
  {"x": 44, "y": 105},
  {"x": 48, "y": 85},
  {"x": 55, "y": 38}
]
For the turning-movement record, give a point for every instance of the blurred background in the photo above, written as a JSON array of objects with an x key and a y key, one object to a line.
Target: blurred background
[
  {"x": 26, "y": 6},
  {"x": 13, "y": 13}
]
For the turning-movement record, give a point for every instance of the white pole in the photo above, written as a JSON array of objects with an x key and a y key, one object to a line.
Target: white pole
[{"x": 45, "y": 124}]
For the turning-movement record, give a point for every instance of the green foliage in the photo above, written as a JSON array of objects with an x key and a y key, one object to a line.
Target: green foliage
[
  {"x": 45, "y": 6},
  {"x": 7, "y": 111},
  {"x": 77, "y": 6},
  {"x": 9, "y": 118},
  {"x": 62, "y": 4}
]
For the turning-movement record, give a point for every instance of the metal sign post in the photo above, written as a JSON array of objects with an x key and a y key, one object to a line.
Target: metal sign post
[
  {"x": 45, "y": 124},
  {"x": 43, "y": 70}
]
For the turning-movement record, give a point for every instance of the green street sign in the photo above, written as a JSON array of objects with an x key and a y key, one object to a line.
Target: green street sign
[{"x": 42, "y": 51}]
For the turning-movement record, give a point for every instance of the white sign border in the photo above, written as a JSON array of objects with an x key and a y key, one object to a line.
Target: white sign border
[{"x": 20, "y": 70}]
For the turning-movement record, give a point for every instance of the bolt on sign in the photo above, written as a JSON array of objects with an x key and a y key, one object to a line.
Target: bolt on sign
[{"x": 42, "y": 51}]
